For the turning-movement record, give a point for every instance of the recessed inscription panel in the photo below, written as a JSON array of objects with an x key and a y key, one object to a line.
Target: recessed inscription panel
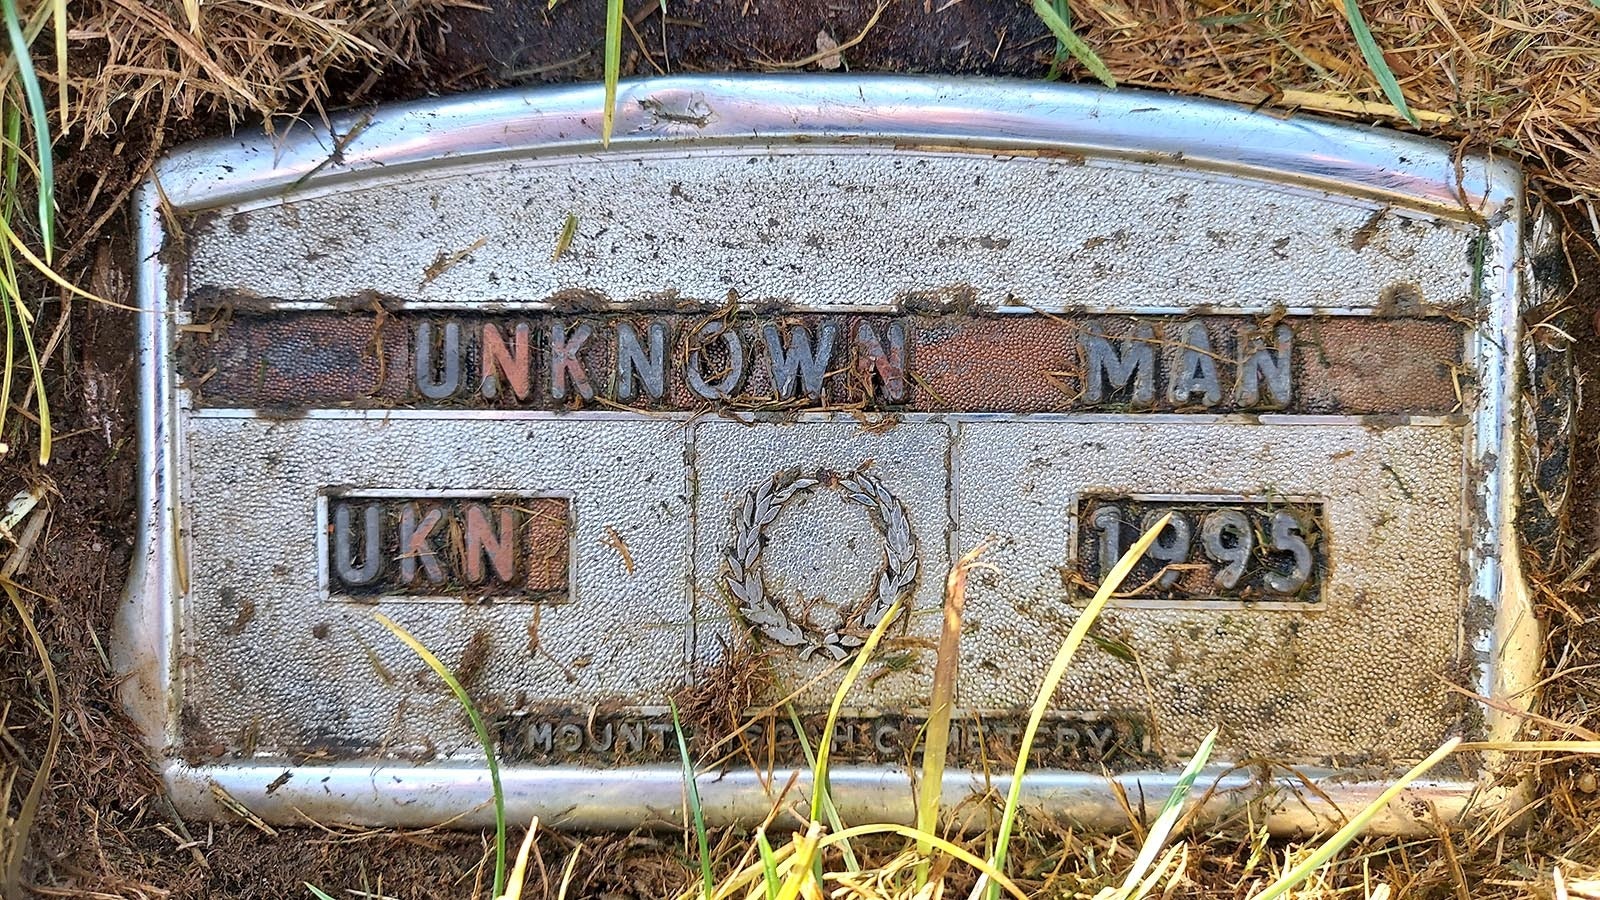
[
  {"x": 769, "y": 391},
  {"x": 916, "y": 362},
  {"x": 465, "y": 545},
  {"x": 1223, "y": 548},
  {"x": 1065, "y": 740}
]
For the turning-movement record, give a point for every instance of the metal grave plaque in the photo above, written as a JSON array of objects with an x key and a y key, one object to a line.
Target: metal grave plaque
[{"x": 601, "y": 424}]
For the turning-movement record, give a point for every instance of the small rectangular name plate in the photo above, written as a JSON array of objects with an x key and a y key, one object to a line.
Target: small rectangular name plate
[
  {"x": 809, "y": 342},
  {"x": 1254, "y": 550},
  {"x": 463, "y": 545}
]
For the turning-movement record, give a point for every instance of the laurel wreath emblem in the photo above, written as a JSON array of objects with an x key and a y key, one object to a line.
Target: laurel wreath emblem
[{"x": 744, "y": 576}]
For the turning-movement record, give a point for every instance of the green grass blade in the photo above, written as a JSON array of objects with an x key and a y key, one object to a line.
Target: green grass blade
[
  {"x": 1354, "y": 827},
  {"x": 613, "y": 67},
  {"x": 1080, "y": 51},
  {"x": 465, "y": 700},
  {"x": 1061, "y": 55},
  {"x": 40, "y": 122},
  {"x": 1167, "y": 819},
  {"x": 695, "y": 809},
  {"x": 317, "y": 892},
  {"x": 830, "y": 811},
  {"x": 1375, "y": 61},
  {"x": 1052, "y": 680},
  {"x": 819, "y": 787},
  {"x": 58, "y": 24},
  {"x": 769, "y": 865}
]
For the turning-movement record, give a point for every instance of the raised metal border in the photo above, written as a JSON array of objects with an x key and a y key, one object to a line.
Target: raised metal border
[{"x": 871, "y": 113}]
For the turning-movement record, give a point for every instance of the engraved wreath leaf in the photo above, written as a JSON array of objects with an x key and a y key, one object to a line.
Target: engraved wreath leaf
[{"x": 743, "y": 576}]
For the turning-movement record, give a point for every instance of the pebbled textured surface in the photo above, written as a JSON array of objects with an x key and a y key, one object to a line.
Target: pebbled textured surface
[
  {"x": 272, "y": 669},
  {"x": 301, "y": 672},
  {"x": 1355, "y": 676},
  {"x": 834, "y": 229}
]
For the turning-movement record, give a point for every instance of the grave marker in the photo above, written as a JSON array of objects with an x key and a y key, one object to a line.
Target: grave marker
[{"x": 805, "y": 348}]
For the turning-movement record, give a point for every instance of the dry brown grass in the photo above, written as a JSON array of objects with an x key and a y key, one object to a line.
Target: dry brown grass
[
  {"x": 1514, "y": 77},
  {"x": 1519, "y": 77},
  {"x": 254, "y": 58},
  {"x": 144, "y": 74}
]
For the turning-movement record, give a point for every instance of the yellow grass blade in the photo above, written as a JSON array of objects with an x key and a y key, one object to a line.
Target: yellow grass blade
[
  {"x": 1052, "y": 680},
  {"x": 519, "y": 869},
  {"x": 805, "y": 851},
  {"x": 1352, "y": 828},
  {"x": 936, "y": 735},
  {"x": 47, "y": 272},
  {"x": 566, "y": 872},
  {"x": 819, "y": 787},
  {"x": 994, "y": 875}
]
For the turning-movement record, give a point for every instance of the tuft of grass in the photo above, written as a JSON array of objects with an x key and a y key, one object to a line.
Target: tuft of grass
[
  {"x": 1375, "y": 61},
  {"x": 831, "y": 812},
  {"x": 1140, "y": 881},
  {"x": 1308, "y": 866},
  {"x": 39, "y": 120},
  {"x": 15, "y": 311},
  {"x": 1082, "y": 52},
  {"x": 484, "y": 740}
]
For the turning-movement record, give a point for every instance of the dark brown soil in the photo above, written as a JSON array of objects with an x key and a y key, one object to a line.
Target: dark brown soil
[{"x": 104, "y": 828}]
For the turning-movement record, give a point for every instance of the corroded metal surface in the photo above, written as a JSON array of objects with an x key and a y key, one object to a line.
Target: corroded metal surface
[{"x": 810, "y": 341}]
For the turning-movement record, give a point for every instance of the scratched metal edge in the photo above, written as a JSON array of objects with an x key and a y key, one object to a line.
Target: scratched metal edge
[
  {"x": 973, "y": 114},
  {"x": 652, "y": 796},
  {"x": 861, "y": 111}
]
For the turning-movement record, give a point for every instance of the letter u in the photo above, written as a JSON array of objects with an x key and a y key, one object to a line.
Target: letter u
[
  {"x": 438, "y": 382},
  {"x": 371, "y": 553}
]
